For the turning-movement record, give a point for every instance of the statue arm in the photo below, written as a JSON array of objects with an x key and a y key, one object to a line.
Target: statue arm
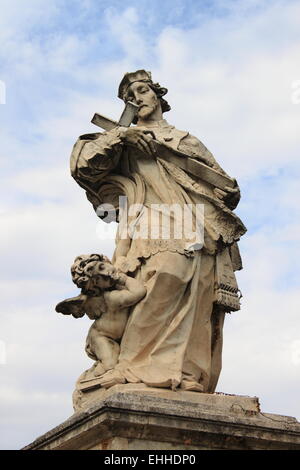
[
  {"x": 95, "y": 155},
  {"x": 193, "y": 147},
  {"x": 133, "y": 292}
]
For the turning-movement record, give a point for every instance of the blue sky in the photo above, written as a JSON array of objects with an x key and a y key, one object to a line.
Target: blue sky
[{"x": 230, "y": 67}]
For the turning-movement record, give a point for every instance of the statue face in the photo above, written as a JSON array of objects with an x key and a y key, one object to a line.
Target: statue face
[
  {"x": 108, "y": 268},
  {"x": 142, "y": 95},
  {"x": 105, "y": 282}
]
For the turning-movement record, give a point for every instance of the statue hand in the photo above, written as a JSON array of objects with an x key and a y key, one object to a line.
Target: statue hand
[{"x": 139, "y": 137}]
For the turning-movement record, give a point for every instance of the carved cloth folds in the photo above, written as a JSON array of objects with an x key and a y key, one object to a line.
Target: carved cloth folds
[{"x": 174, "y": 333}]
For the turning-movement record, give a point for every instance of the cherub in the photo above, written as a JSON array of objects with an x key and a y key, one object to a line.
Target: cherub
[{"x": 106, "y": 295}]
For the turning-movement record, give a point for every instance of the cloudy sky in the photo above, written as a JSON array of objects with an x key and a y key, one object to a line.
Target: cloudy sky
[{"x": 233, "y": 73}]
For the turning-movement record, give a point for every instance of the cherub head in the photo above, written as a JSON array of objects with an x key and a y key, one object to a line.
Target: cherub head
[{"x": 94, "y": 274}]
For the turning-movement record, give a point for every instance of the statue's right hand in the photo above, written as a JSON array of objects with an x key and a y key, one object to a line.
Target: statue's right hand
[{"x": 141, "y": 138}]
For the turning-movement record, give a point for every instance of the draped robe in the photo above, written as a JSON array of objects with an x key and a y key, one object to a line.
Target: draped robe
[{"x": 173, "y": 335}]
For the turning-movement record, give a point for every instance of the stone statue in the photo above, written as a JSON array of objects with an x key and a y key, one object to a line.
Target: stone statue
[
  {"x": 178, "y": 289},
  {"x": 106, "y": 295}
]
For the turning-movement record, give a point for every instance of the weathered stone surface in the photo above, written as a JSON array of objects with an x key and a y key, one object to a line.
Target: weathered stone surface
[
  {"x": 159, "y": 304},
  {"x": 136, "y": 417},
  {"x": 214, "y": 401}
]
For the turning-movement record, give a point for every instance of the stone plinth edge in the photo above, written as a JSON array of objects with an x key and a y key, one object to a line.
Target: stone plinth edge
[{"x": 128, "y": 417}]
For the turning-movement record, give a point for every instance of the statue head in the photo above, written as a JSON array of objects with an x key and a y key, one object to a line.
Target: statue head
[
  {"x": 139, "y": 88},
  {"x": 94, "y": 274}
]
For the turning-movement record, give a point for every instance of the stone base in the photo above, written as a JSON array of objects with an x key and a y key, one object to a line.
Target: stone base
[{"x": 137, "y": 417}]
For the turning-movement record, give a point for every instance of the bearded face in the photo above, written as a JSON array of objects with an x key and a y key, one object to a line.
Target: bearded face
[{"x": 143, "y": 95}]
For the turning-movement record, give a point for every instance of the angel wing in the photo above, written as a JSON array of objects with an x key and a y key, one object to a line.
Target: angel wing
[{"x": 72, "y": 306}]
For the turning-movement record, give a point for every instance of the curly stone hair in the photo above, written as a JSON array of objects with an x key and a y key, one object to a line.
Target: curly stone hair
[
  {"x": 88, "y": 269},
  {"x": 160, "y": 92}
]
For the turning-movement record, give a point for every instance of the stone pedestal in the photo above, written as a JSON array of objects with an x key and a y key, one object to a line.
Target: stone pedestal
[{"x": 136, "y": 417}]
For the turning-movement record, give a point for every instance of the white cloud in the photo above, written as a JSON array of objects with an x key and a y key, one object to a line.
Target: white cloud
[
  {"x": 45, "y": 238},
  {"x": 45, "y": 355},
  {"x": 261, "y": 350},
  {"x": 16, "y": 20},
  {"x": 229, "y": 81},
  {"x": 124, "y": 28}
]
